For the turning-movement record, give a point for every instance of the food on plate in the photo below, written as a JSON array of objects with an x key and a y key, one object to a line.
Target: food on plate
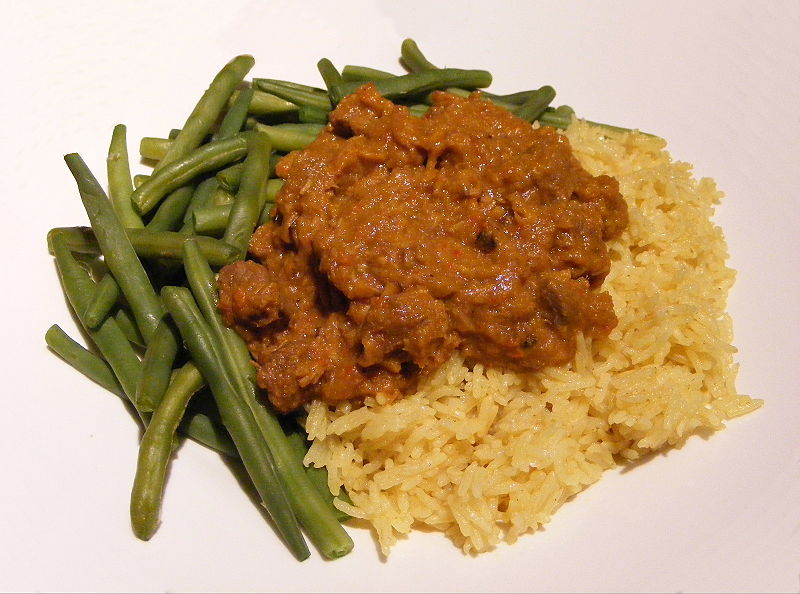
[{"x": 472, "y": 304}]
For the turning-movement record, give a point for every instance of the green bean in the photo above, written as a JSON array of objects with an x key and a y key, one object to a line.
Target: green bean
[
  {"x": 207, "y": 110},
  {"x": 295, "y": 93},
  {"x": 363, "y": 74},
  {"x": 557, "y": 117},
  {"x": 153, "y": 148},
  {"x": 332, "y": 78},
  {"x": 222, "y": 197},
  {"x": 415, "y": 61},
  {"x": 412, "y": 58},
  {"x": 209, "y": 157},
  {"x": 173, "y": 133},
  {"x": 418, "y": 111},
  {"x": 82, "y": 359},
  {"x": 128, "y": 327},
  {"x": 120, "y": 186},
  {"x": 500, "y": 101},
  {"x": 80, "y": 240},
  {"x": 148, "y": 244},
  {"x": 247, "y": 206},
  {"x": 310, "y": 508},
  {"x": 288, "y": 84},
  {"x": 169, "y": 244},
  {"x": 117, "y": 250},
  {"x": 464, "y": 93},
  {"x": 425, "y": 81},
  {"x": 156, "y": 450},
  {"x": 535, "y": 105},
  {"x": 229, "y": 177},
  {"x": 517, "y": 98},
  {"x": 138, "y": 180},
  {"x": 233, "y": 350},
  {"x": 273, "y": 162},
  {"x": 266, "y": 213},
  {"x": 272, "y": 188},
  {"x": 237, "y": 113},
  {"x": 203, "y": 284},
  {"x": 312, "y": 115},
  {"x": 109, "y": 339},
  {"x": 105, "y": 296},
  {"x": 156, "y": 367},
  {"x": 267, "y": 104},
  {"x": 236, "y": 416},
  {"x": 201, "y": 196},
  {"x": 212, "y": 220},
  {"x": 290, "y": 137},
  {"x": 170, "y": 212},
  {"x": 208, "y": 431}
]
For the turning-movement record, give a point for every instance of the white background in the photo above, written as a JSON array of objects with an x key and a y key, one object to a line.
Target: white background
[{"x": 719, "y": 80}]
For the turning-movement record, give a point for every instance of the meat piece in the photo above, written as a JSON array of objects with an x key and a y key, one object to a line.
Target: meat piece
[
  {"x": 411, "y": 326},
  {"x": 248, "y": 295}
]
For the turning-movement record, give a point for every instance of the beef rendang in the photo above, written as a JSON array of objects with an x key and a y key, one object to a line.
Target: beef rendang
[{"x": 397, "y": 239}]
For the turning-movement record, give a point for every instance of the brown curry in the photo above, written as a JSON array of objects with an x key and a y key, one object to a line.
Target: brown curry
[{"x": 397, "y": 240}]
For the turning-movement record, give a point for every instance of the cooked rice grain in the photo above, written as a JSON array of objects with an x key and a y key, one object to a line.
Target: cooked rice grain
[{"x": 485, "y": 455}]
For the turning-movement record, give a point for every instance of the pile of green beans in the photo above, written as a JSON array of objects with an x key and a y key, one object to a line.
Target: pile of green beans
[{"x": 141, "y": 278}]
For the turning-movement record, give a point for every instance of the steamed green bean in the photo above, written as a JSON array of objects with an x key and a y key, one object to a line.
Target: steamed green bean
[
  {"x": 362, "y": 74},
  {"x": 267, "y": 104},
  {"x": 417, "y": 83},
  {"x": 105, "y": 296},
  {"x": 236, "y": 115},
  {"x": 117, "y": 250},
  {"x": 209, "y": 157},
  {"x": 290, "y": 137},
  {"x": 154, "y": 148},
  {"x": 413, "y": 58},
  {"x": 155, "y": 450},
  {"x": 333, "y": 80},
  {"x": 82, "y": 359},
  {"x": 535, "y": 104},
  {"x": 298, "y": 94},
  {"x": 247, "y": 206},
  {"x": 156, "y": 367},
  {"x": 120, "y": 184},
  {"x": 170, "y": 213},
  {"x": 149, "y": 244},
  {"x": 207, "y": 110}
]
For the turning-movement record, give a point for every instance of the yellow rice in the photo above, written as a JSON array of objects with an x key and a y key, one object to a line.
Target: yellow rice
[{"x": 485, "y": 455}]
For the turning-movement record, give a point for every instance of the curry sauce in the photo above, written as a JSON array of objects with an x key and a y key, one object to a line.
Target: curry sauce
[{"x": 397, "y": 240}]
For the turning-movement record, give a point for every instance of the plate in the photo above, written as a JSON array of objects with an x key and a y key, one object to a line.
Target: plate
[{"x": 719, "y": 80}]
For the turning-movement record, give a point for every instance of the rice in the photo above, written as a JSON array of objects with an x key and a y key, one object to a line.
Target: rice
[{"x": 485, "y": 455}]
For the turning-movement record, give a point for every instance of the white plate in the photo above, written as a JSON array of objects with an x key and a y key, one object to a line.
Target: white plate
[{"x": 720, "y": 80}]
